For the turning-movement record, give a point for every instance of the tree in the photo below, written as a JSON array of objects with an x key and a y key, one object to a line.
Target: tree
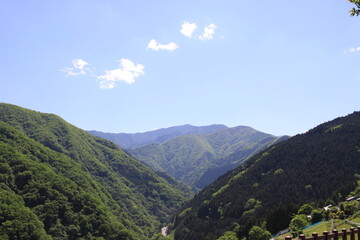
[
  {"x": 316, "y": 215},
  {"x": 257, "y": 233},
  {"x": 228, "y": 236},
  {"x": 306, "y": 209},
  {"x": 298, "y": 223},
  {"x": 349, "y": 208},
  {"x": 355, "y": 11}
]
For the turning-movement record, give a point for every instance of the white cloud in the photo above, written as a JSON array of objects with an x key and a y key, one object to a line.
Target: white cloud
[
  {"x": 208, "y": 33},
  {"x": 154, "y": 45},
  {"x": 352, "y": 50},
  {"x": 127, "y": 72},
  {"x": 79, "y": 63},
  {"x": 187, "y": 29},
  {"x": 79, "y": 68}
]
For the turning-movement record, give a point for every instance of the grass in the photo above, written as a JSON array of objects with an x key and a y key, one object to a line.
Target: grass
[{"x": 324, "y": 226}]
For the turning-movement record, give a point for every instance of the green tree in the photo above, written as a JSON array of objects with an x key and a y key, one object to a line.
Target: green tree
[
  {"x": 306, "y": 209},
  {"x": 159, "y": 237},
  {"x": 228, "y": 236},
  {"x": 17, "y": 221},
  {"x": 257, "y": 233},
  {"x": 298, "y": 223},
  {"x": 355, "y": 11},
  {"x": 316, "y": 215},
  {"x": 349, "y": 208}
]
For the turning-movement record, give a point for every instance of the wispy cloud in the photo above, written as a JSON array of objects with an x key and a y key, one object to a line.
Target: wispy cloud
[
  {"x": 79, "y": 68},
  {"x": 127, "y": 73},
  {"x": 187, "y": 29},
  {"x": 154, "y": 45},
  {"x": 208, "y": 33},
  {"x": 352, "y": 50}
]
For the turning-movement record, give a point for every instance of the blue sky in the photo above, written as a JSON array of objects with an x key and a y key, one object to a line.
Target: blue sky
[{"x": 279, "y": 66}]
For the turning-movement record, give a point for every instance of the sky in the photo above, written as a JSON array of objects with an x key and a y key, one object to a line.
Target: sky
[{"x": 281, "y": 67}]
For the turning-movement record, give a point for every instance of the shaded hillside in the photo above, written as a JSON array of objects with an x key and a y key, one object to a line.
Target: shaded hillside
[
  {"x": 197, "y": 160},
  {"x": 135, "y": 140},
  {"x": 269, "y": 187},
  {"x": 70, "y": 184}
]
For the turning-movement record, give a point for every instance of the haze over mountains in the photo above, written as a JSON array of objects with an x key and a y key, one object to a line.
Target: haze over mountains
[
  {"x": 196, "y": 156},
  {"x": 136, "y": 140}
]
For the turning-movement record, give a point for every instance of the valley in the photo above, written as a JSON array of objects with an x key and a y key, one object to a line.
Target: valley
[
  {"x": 179, "y": 120},
  {"x": 196, "y": 156},
  {"x": 271, "y": 186},
  {"x": 62, "y": 182},
  {"x": 73, "y": 185}
]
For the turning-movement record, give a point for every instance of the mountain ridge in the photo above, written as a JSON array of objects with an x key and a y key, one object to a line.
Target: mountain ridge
[
  {"x": 135, "y": 140},
  {"x": 75, "y": 184},
  {"x": 188, "y": 157},
  {"x": 269, "y": 187}
]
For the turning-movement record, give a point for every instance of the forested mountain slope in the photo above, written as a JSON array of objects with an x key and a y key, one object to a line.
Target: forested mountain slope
[
  {"x": 269, "y": 187},
  {"x": 198, "y": 159},
  {"x": 136, "y": 140},
  {"x": 60, "y": 182}
]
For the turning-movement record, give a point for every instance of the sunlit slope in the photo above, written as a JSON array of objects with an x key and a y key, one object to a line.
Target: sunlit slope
[
  {"x": 57, "y": 168},
  {"x": 198, "y": 159}
]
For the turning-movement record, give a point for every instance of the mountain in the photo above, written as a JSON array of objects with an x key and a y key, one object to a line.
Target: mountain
[
  {"x": 135, "y": 140},
  {"x": 198, "y": 159},
  {"x": 60, "y": 182},
  {"x": 317, "y": 166}
]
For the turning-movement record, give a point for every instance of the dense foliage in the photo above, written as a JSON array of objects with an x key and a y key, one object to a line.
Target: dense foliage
[
  {"x": 60, "y": 182},
  {"x": 18, "y": 221},
  {"x": 199, "y": 159},
  {"x": 355, "y": 11},
  {"x": 271, "y": 186},
  {"x": 257, "y": 233}
]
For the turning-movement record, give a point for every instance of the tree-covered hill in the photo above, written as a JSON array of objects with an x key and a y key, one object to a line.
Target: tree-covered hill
[
  {"x": 136, "y": 140},
  {"x": 60, "y": 182},
  {"x": 198, "y": 159},
  {"x": 268, "y": 188}
]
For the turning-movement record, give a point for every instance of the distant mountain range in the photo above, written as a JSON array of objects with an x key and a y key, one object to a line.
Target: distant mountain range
[
  {"x": 318, "y": 166},
  {"x": 193, "y": 155},
  {"x": 135, "y": 140}
]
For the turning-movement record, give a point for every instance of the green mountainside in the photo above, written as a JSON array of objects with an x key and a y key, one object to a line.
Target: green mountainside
[
  {"x": 60, "y": 182},
  {"x": 270, "y": 187},
  {"x": 136, "y": 140},
  {"x": 198, "y": 159}
]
